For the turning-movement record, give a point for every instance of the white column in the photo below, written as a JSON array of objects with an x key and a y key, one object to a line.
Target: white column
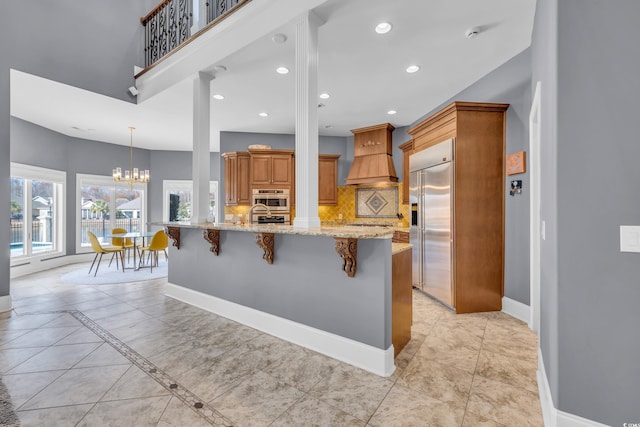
[
  {"x": 201, "y": 140},
  {"x": 306, "y": 68}
]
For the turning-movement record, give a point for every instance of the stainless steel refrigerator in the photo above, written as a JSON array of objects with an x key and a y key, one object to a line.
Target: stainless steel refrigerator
[{"x": 431, "y": 197}]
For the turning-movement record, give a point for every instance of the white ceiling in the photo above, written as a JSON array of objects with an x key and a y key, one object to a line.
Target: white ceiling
[{"x": 364, "y": 73}]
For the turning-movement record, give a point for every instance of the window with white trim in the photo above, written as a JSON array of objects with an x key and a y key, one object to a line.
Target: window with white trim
[
  {"x": 177, "y": 198},
  {"x": 37, "y": 213},
  {"x": 102, "y": 205}
]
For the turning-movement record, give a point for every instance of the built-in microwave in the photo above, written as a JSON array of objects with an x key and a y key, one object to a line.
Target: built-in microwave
[
  {"x": 274, "y": 219},
  {"x": 276, "y": 200}
]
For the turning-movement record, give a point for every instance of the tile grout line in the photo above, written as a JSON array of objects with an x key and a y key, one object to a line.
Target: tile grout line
[
  {"x": 466, "y": 406},
  {"x": 199, "y": 406},
  {"x": 187, "y": 397},
  {"x": 103, "y": 394}
]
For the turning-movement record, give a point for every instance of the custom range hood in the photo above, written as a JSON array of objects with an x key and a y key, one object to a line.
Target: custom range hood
[{"x": 372, "y": 163}]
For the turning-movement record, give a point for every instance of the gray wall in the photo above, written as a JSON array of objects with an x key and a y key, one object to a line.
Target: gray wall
[
  {"x": 510, "y": 84},
  {"x": 38, "y": 146},
  {"x": 544, "y": 48},
  {"x": 170, "y": 165},
  {"x": 400, "y": 136},
  {"x": 91, "y": 44},
  {"x": 304, "y": 284},
  {"x": 598, "y": 175}
]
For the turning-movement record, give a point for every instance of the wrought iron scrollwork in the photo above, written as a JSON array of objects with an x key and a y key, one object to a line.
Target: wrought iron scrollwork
[
  {"x": 169, "y": 24},
  {"x": 166, "y": 27}
]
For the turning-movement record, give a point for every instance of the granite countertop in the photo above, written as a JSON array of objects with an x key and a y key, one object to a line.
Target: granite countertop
[
  {"x": 396, "y": 248},
  {"x": 345, "y": 231}
]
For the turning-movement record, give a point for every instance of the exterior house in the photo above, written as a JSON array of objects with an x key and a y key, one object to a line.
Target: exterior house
[
  {"x": 130, "y": 208},
  {"x": 585, "y": 59}
]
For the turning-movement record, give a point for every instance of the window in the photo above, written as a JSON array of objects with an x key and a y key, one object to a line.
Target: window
[
  {"x": 36, "y": 211},
  {"x": 103, "y": 205},
  {"x": 177, "y": 197}
]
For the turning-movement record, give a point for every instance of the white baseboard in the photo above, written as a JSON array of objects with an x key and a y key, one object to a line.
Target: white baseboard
[
  {"x": 553, "y": 417},
  {"x": 516, "y": 309},
  {"x": 5, "y": 303},
  {"x": 549, "y": 411},
  {"x": 375, "y": 360},
  {"x": 36, "y": 265}
]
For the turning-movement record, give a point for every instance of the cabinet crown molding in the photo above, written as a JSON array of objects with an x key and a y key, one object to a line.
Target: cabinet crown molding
[{"x": 457, "y": 106}]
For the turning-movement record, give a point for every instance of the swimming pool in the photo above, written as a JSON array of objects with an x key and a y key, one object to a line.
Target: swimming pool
[{"x": 17, "y": 248}]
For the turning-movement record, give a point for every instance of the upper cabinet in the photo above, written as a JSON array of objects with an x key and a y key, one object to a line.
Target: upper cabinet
[
  {"x": 328, "y": 179},
  {"x": 272, "y": 168},
  {"x": 237, "y": 188},
  {"x": 407, "y": 150}
]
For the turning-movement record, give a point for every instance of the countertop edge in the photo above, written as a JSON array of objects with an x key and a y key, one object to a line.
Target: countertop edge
[
  {"x": 338, "y": 232},
  {"x": 397, "y": 248}
]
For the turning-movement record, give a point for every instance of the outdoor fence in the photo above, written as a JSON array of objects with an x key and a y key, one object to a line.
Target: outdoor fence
[
  {"x": 102, "y": 227},
  {"x": 99, "y": 227}
]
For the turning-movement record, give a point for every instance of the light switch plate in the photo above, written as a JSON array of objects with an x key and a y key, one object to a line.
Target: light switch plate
[{"x": 629, "y": 238}]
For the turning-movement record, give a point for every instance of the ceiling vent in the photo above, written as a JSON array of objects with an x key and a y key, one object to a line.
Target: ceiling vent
[{"x": 372, "y": 163}]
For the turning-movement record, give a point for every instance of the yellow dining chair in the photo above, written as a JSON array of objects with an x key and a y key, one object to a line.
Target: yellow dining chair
[
  {"x": 101, "y": 250},
  {"x": 159, "y": 242},
  {"x": 125, "y": 243}
]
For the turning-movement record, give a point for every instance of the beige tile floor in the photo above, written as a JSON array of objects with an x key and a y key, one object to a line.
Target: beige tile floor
[{"x": 126, "y": 355}]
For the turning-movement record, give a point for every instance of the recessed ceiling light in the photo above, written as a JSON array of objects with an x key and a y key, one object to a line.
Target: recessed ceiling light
[
  {"x": 391, "y": 112},
  {"x": 383, "y": 27},
  {"x": 282, "y": 70},
  {"x": 218, "y": 96},
  {"x": 263, "y": 114},
  {"x": 412, "y": 68},
  {"x": 325, "y": 96}
]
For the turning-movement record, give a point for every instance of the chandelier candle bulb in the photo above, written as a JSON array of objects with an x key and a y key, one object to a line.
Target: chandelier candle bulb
[{"x": 133, "y": 175}]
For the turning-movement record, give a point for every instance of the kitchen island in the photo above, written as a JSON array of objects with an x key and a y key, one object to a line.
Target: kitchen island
[{"x": 328, "y": 289}]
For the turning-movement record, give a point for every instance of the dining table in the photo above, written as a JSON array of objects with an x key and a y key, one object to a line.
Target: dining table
[{"x": 134, "y": 236}]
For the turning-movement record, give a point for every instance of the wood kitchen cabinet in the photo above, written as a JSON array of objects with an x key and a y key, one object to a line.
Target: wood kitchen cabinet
[
  {"x": 401, "y": 300},
  {"x": 407, "y": 150},
  {"x": 478, "y": 132},
  {"x": 237, "y": 188},
  {"x": 328, "y": 179},
  {"x": 271, "y": 168}
]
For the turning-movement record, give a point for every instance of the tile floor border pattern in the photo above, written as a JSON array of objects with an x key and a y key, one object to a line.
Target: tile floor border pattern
[{"x": 199, "y": 406}]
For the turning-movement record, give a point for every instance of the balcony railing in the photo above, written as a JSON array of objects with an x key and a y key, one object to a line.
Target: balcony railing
[{"x": 169, "y": 24}]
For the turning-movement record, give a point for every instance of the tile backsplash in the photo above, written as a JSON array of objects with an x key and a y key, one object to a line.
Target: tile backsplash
[{"x": 346, "y": 207}]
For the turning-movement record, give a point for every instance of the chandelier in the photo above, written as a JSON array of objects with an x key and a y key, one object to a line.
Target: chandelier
[{"x": 131, "y": 175}]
